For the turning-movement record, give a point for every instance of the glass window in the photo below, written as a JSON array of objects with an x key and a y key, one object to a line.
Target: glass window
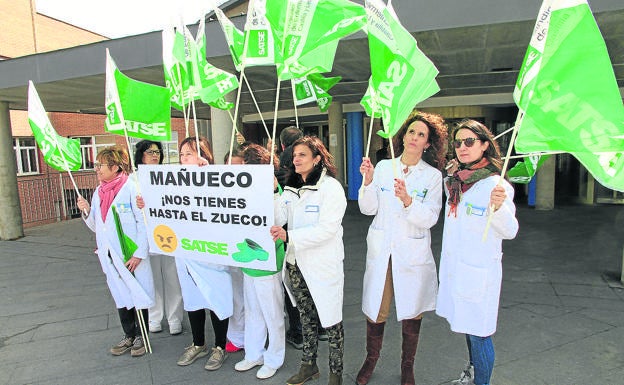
[
  {"x": 90, "y": 146},
  {"x": 27, "y": 161}
]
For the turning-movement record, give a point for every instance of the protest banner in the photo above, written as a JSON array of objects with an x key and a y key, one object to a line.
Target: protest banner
[{"x": 217, "y": 214}]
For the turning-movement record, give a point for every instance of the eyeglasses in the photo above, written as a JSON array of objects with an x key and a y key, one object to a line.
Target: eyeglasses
[
  {"x": 152, "y": 152},
  {"x": 469, "y": 142},
  {"x": 98, "y": 165}
]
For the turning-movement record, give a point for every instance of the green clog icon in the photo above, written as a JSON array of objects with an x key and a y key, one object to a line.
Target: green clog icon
[{"x": 250, "y": 251}]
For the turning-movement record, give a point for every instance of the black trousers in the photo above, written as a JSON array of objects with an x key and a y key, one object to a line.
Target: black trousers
[{"x": 130, "y": 321}]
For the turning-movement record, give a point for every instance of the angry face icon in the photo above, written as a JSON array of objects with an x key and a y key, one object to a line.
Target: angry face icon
[{"x": 165, "y": 238}]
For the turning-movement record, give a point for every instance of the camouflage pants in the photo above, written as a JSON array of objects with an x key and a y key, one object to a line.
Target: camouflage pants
[{"x": 309, "y": 324}]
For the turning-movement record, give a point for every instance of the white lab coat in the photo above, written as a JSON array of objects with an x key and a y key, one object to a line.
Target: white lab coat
[
  {"x": 314, "y": 216},
  {"x": 205, "y": 286},
  {"x": 403, "y": 234},
  {"x": 127, "y": 290},
  {"x": 471, "y": 269}
]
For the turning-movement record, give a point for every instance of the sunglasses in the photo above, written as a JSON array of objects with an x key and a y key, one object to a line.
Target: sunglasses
[
  {"x": 469, "y": 142},
  {"x": 152, "y": 152}
]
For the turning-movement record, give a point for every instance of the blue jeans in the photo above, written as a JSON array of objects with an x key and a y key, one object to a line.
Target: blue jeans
[{"x": 481, "y": 351}]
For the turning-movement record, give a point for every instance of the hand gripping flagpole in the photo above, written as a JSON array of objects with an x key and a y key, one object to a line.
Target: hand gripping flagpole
[{"x": 514, "y": 134}]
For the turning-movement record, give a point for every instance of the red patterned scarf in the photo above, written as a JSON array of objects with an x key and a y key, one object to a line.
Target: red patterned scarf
[
  {"x": 108, "y": 191},
  {"x": 466, "y": 177}
]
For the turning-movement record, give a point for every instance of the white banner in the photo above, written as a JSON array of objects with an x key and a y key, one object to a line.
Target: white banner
[{"x": 218, "y": 214}]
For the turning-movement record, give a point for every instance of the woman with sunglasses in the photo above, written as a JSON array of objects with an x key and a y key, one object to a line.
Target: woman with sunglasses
[
  {"x": 470, "y": 266},
  {"x": 130, "y": 282},
  {"x": 166, "y": 284},
  {"x": 405, "y": 196}
]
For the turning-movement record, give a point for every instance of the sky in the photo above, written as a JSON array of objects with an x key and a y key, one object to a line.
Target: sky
[{"x": 119, "y": 18}]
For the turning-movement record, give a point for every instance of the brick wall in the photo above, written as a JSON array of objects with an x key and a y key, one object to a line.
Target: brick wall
[{"x": 17, "y": 32}]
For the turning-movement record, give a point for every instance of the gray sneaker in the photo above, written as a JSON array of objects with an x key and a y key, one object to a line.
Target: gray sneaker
[
  {"x": 192, "y": 353},
  {"x": 216, "y": 359},
  {"x": 466, "y": 377},
  {"x": 122, "y": 346},
  {"x": 138, "y": 347}
]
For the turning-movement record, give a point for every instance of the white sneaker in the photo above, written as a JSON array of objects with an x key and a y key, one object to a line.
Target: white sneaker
[
  {"x": 155, "y": 327},
  {"x": 175, "y": 329},
  {"x": 245, "y": 365},
  {"x": 466, "y": 377},
  {"x": 265, "y": 372}
]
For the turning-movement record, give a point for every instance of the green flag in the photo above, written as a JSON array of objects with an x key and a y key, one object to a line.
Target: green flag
[
  {"x": 314, "y": 88},
  {"x": 566, "y": 85},
  {"x": 175, "y": 65},
  {"x": 208, "y": 81},
  {"x": 523, "y": 171},
  {"x": 368, "y": 103},
  {"x": 128, "y": 246},
  {"x": 568, "y": 92},
  {"x": 307, "y": 33},
  {"x": 259, "y": 46},
  {"x": 143, "y": 109},
  {"x": 401, "y": 75},
  {"x": 234, "y": 37},
  {"x": 59, "y": 152}
]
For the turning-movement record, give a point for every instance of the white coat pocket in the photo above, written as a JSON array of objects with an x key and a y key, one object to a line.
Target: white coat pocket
[
  {"x": 470, "y": 282},
  {"x": 374, "y": 243},
  {"x": 414, "y": 251}
]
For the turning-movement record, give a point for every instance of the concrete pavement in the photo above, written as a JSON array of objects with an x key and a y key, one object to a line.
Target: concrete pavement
[{"x": 561, "y": 319}]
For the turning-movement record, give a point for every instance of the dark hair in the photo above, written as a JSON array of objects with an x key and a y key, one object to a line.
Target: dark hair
[
  {"x": 143, "y": 146},
  {"x": 115, "y": 156},
  {"x": 256, "y": 154},
  {"x": 438, "y": 134},
  {"x": 327, "y": 162},
  {"x": 204, "y": 147},
  {"x": 289, "y": 135},
  {"x": 237, "y": 152},
  {"x": 492, "y": 153}
]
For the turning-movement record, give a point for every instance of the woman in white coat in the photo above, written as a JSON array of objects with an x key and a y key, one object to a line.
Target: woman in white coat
[
  {"x": 470, "y": 267},
  {"x": 313, "y": 204},
  {"x": 204, "y": 285},
  {"x": 405, "y": 195},
  {"x": 264, "y": 300},
  {"x": 168, "y": 296},
  {"x": 131, "y": 283}
]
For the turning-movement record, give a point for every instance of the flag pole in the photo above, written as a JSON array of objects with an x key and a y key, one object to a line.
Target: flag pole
[
  {"x": 71, "y": 177},
  {"x": 292, "y": 87},
  {"x": 257, "y": 107},
  {"x": 144, "y": 333},
  {"x": 514, "y": 134},
  {"x": 277, "y": 95},
  {"x": 196, "y": 130}
]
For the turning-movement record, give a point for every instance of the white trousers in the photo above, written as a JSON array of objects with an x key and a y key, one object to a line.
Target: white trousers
[
  {"x": 236, "y": 326},
  {"x": 168, "y": 296},
  {"x": 264, "y": 314}
]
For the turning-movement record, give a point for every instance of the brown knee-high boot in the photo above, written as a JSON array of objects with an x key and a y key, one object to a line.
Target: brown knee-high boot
[
  {"x": 411, "y": 332},
  {"x": 374, "y": 340}
]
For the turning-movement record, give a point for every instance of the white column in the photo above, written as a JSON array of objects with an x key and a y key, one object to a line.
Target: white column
[
  {"x": 10, "y": 211},
  {"x": 336, "y": 138}
]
